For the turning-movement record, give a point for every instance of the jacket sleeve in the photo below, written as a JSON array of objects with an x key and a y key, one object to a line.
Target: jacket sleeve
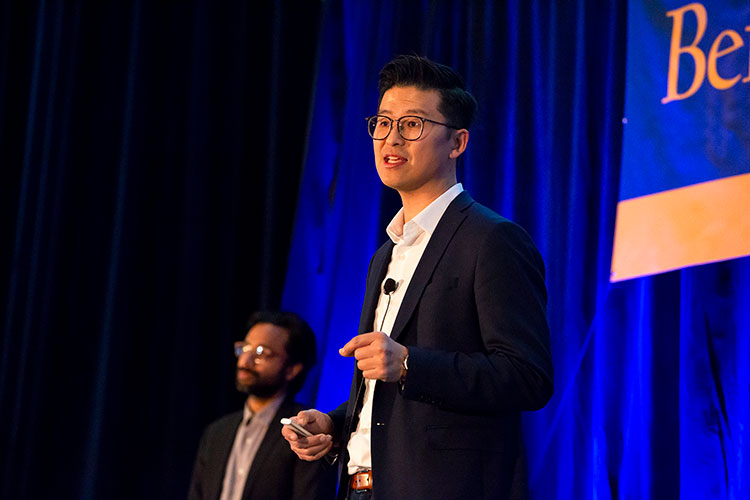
[{"x": 338, "y": 416}]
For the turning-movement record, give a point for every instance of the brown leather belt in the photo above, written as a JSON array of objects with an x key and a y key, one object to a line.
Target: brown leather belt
[{"x": 361, "y": 480}]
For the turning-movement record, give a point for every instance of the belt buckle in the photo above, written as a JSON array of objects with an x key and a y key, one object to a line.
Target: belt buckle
[{"x": 361, "y": 480}]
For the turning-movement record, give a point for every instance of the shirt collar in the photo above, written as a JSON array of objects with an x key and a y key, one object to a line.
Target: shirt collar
[
  {"x": 425, "y": 221},
  {"x": 266, "y": 414}
]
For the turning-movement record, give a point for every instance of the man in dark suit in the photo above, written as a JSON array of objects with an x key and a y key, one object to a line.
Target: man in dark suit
[
  {"x": 454, "y": 341},
  {"x": 242, "y": 455}
]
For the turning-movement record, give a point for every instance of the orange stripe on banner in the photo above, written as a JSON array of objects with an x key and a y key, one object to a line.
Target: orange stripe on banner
[{"x": 697, "y": 224}]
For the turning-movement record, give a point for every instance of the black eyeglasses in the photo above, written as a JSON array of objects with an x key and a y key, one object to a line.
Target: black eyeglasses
[{"x": 409, "y": 127}]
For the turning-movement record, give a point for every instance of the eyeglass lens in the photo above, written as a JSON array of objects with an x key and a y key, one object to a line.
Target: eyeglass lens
[
  {"x": 259, "y": 353},
  {"x": 409, "y": 127}
]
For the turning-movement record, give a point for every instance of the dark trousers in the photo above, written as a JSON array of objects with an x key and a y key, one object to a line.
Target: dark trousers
[{"x": 360, "y": 495}]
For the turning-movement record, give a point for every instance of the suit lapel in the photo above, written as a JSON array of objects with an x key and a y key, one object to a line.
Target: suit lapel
[
  {"x": 449, "y": 223},
  {"x": 375, "y": 277},
  {"x": 372, "y": 291}
]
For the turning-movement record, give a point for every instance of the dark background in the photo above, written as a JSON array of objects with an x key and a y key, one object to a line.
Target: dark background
[{"x": 149, "y": 162}]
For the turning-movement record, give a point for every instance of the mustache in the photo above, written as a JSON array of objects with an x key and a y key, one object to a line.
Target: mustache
[{"x": 247, "y": 370}]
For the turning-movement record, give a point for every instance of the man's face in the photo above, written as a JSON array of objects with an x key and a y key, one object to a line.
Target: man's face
[
  {"x": 425, "y": 166},
  {"x": 264, "y": 375}
]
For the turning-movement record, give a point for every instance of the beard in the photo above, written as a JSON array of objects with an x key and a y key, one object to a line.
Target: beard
[{"x": 263, "y": 387}]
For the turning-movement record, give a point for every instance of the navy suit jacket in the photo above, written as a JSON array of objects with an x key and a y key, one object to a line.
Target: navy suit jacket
[
  {"x": 276, "y": 472},
  {"x": 474, "y": 321}
]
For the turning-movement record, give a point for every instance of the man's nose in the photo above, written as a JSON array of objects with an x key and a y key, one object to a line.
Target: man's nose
[
  {"x": 246, "y": 360},
  {"x": 394, "y": 137}
]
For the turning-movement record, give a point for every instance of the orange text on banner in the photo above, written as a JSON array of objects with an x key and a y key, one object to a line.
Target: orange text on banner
[
  {"x": 703, "y": 66},
  {"x": 697, "y": 224}
]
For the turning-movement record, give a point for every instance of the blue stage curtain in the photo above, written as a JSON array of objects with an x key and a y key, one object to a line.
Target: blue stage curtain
[{"x": 651, "y": 375}]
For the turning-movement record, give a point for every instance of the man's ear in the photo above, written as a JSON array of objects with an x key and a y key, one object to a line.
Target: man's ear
[
  {"x": 460, "y": 141},
  {"x": 292, "y": 371}
]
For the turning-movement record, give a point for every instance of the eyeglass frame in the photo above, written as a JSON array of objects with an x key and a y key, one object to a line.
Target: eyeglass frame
[
  {"x": 421, "y": 119},
  {"x": 259, "y": 353}
]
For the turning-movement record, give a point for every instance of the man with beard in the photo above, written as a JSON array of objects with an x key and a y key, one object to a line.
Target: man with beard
[{"x": 243, "y": 455}]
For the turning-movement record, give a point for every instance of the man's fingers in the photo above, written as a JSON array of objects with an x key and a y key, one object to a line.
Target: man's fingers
[
  {"x": 369, "y": 364},
  {"x": 351, "y": 346},
  {"x": 373, "y": 374},
  {"x": 314, "y": 421},
  {"x": 357, "y": 342},
  {"x": 378, "y": 356},
  {"x": 371, "y": 351},
  {"x": 310, "y": 457},
  {"x": 288, "y": 434},
  {"x": 304, "y": 417},
  {"x": 312, "y": 447},
  {"x": 300, "y": 443}
]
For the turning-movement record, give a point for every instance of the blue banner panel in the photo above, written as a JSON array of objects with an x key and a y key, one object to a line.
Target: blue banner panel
[{"x": 687, "y": 121}]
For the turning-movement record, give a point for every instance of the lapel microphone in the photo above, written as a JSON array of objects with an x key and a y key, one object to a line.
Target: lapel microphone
[{"x": 389, "y": 287}]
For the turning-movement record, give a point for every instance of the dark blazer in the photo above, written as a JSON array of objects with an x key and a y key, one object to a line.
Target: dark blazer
[
  {"x": 276, "y": 472},
  {"x": 474, "y": 321}
]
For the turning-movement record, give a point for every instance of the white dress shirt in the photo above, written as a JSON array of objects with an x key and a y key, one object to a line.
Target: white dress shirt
[{"x": 410, "y": 241}]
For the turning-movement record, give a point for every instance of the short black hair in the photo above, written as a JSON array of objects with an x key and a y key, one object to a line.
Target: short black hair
[
  {"x": 300, "y": 346},
  {"x": 457, "y": 105}
]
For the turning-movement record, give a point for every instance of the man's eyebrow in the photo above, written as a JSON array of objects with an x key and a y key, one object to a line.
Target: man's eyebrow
[{"x": 413, "y": 111}]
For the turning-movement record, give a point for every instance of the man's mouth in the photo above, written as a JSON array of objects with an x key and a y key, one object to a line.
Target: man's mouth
[{"x": 394, "y": 160}]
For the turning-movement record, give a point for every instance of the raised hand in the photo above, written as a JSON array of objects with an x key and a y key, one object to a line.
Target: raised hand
[{"x": 378, "y": 356}]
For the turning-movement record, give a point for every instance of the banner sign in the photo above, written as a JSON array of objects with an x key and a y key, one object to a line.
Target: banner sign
[{"x": 685, "y": 182}]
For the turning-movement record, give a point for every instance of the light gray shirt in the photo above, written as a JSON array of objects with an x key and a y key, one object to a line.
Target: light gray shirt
[{"x": 249, "y": 435}]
